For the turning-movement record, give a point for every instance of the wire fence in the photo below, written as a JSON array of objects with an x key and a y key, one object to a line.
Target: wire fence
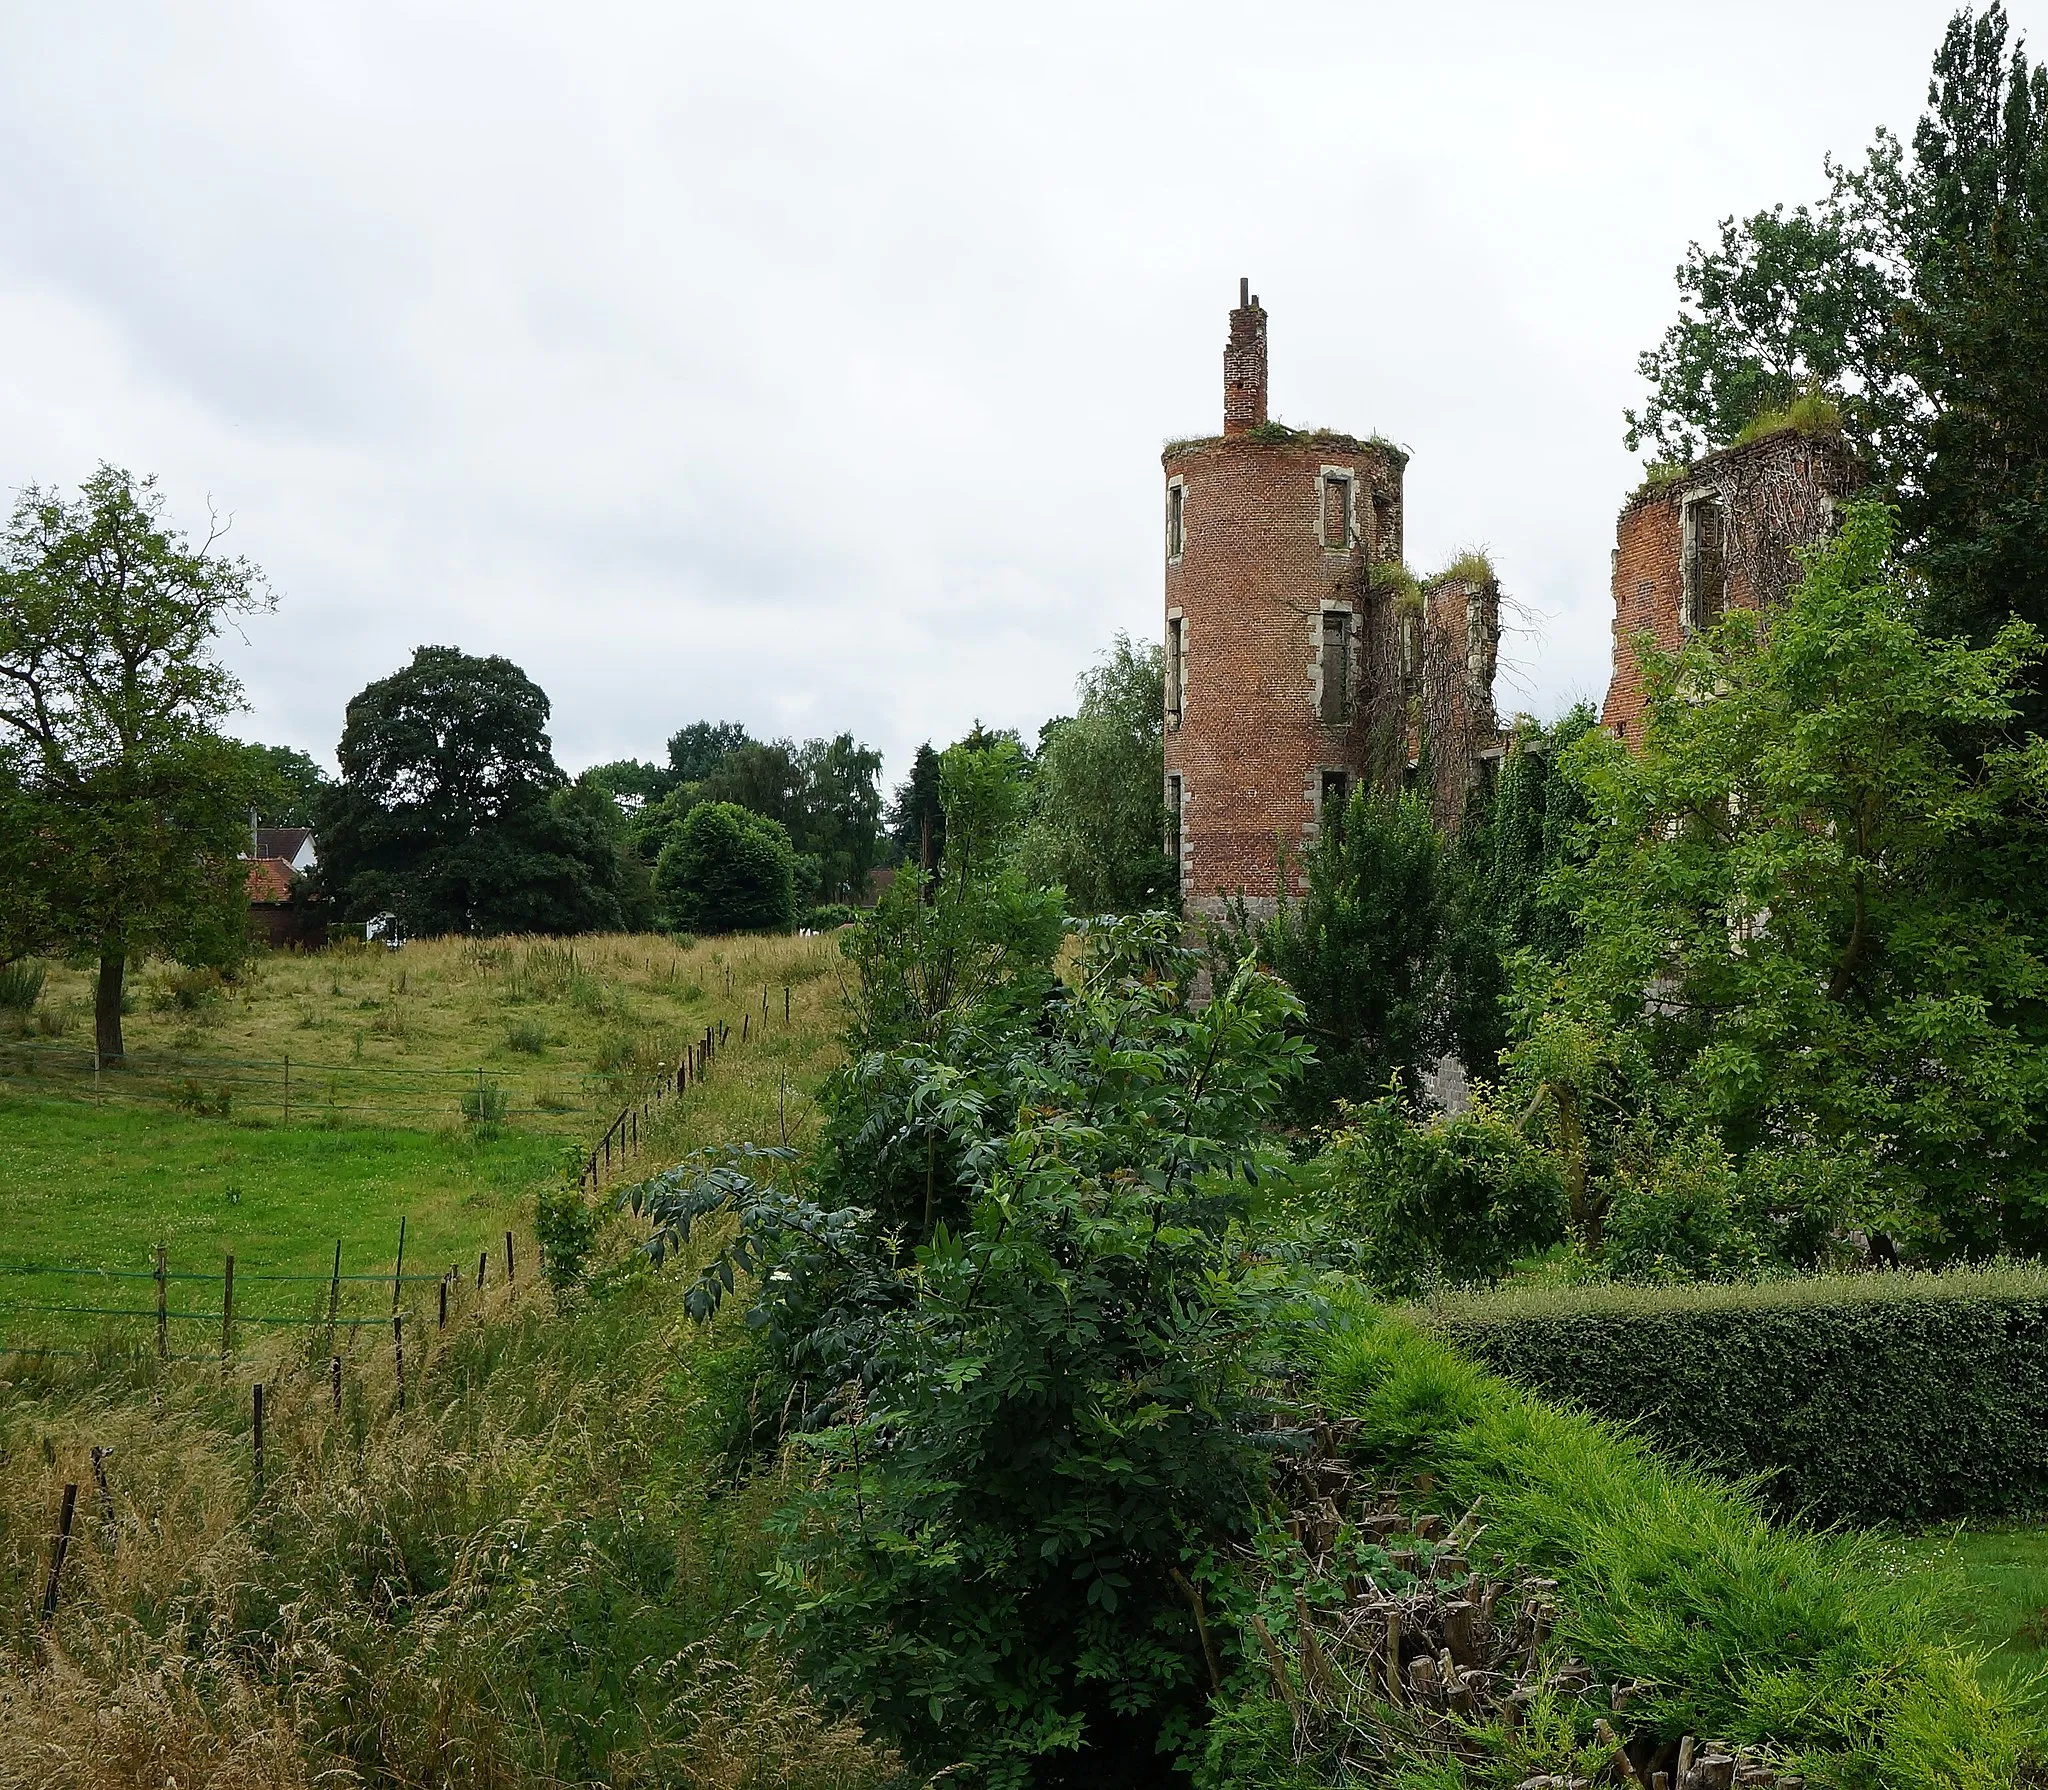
[
  {"x": 297, "y": 1090},
  {"x": 144, "y": 1310}
]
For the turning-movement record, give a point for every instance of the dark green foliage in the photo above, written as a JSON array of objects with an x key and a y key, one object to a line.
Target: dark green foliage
[
  {"x": 1502, "y": 896},
  {"x": 822, "y": 793},
  {"x": 285, "y": 785},
  {"x": 1421, "y": 1202},
  {"x": 917, "y": 818},
  {"x": 1097, "y": 826},
  {"x": 1363, "y": 949},
  {"x": 122, "y": 808},
  {"x": 726, "y": 869},
  {"x": 828, "y": 918},
  {"x": 1760, "y": 1633},
  {"x": 1896, "y": 1398},
  {"x": 970, "y": 943},
  {"x": 1812, "y": 918},
  {"x": 445, "y": 814},
  {"x": 697, "y": 750},
  {"x": 589, "y": 807},
  {"x": 1036, "y": 1415},
  {"x": 640, "y": 782},
  {"x": 764, "y": 778},
  {"x": 1916, "y": 294},
  {"x": 841, "y": 821}
]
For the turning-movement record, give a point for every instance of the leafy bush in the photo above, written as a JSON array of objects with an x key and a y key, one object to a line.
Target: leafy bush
[
  {"x": 727, "y": 869},
  {"x": 1871, "y": 1398},
  {"x": 528, "y": 1036},
  {"x": 565, "y": 1225},
  {"x": 187, "y": 990},
  {"x": 1682, "y": 1219},
  {"x": 1422, "y": 1202},
  {"x": 1030, "y": 1416},
  {"x": 828, "y": 918},
  {"x": 21, "y": 984},
  {"x": 1738, "y": 1628}
]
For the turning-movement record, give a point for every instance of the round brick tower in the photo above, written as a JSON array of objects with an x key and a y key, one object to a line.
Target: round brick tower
[{"x": 1283, "y": 683}]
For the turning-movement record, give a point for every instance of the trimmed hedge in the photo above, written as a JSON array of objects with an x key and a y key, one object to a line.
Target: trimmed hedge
[
  {"x": 1761, "y": 1633},
  {"x": 1893, "y": 1398}
]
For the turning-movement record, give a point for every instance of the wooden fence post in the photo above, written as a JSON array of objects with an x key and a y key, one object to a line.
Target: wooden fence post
[
  {"x": 60, "y": 1545},
  {"x": 227, "y": 1314},
  {"x": 163, "y": 1317},
  {"x": 482, "y": 1256},
  {"x": 746, "y": 1019},
  {"x": 334, "y": 1294},
  {"x": 398, "y": 1353},
  {"x": 398, "y": 1267},
  {"x": 444, "y": 1302},
  {"x": 509, "y": 1276},
  {"x": 334, "y": 1374},
  {"x": 106, "y": 1492}
]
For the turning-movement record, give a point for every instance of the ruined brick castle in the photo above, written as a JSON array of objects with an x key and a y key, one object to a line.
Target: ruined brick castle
[
  {"x": 1720, "y": 534},
  {"x": 1301, "y": 658}
]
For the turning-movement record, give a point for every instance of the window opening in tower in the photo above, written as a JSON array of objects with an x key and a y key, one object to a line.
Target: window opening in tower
[{"x": 1336, "y": 703}]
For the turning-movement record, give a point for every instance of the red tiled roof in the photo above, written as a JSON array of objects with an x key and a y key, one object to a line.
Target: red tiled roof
[{"x": 270, "y": 879}]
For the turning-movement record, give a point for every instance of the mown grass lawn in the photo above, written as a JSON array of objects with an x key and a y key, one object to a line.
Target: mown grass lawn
[{"x": 2001, "y": 1602}]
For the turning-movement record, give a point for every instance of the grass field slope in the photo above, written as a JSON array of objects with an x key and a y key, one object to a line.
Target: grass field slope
[{"x": 197, "y": 1147}]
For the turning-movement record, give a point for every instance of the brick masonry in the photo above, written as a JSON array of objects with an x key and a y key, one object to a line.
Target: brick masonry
[
  {"x": 1777, "y": 494},
  {"x": 1270, "y": 531}
]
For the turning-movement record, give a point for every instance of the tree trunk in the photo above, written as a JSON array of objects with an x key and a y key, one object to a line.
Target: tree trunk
[{"x": 106, "y": 1007}]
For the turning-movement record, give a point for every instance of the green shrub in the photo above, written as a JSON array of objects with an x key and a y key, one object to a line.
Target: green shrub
[
  {"x": 832, "y": 915},
  {"x": 485, "y": 1105},
  {"x": 1443, "y": 1199},
  {"x": 1030, "y": 1405},
  {"x": 1762, "y": 1634},
  {"x": 187, "y": 990},
  {"x": 1875, "y": 1398},
  {"x": 565, "y": 1225},
  {"x": 21, "y": 984},
  {"x": 1680, "y": 1219},
  {"x": 527, "y": 1035},
  {"x": 727, "y": 869}
]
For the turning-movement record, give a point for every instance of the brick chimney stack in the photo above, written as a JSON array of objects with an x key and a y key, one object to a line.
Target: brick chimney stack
[{"x": 1244, "y": 364}]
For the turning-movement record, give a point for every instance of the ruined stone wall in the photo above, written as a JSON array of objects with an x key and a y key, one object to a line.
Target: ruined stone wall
[
  {"x": 1456, "y": 726},
  {"x": 1777, "y": 494}
]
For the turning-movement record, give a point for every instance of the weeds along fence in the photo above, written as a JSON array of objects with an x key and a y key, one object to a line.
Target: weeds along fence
[
  {"x": 174, "y": 1312},
  {"x": 622, "y": 1140},
  {"x": 348, "y": 1357},
  {"x": 297, "y": 1090}
]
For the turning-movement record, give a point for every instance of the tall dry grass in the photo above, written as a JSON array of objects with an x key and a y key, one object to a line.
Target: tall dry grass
[{"x": 538, "y": 1572}]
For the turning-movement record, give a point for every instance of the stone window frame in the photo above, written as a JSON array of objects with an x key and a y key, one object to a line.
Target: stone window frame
[
  {"x": 1318, "y": 639},
  {"x": 1349, "y": 476},
  {"x": 1176, "y": 518},
  {"x": 1177, "y": 675}
]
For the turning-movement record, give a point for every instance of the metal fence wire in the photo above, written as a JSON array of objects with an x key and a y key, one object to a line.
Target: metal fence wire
[{"x": 337, "y": 1302}]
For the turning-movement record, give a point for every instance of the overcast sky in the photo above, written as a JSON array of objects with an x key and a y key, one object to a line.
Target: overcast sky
[{"x": 808, "y": 365}]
